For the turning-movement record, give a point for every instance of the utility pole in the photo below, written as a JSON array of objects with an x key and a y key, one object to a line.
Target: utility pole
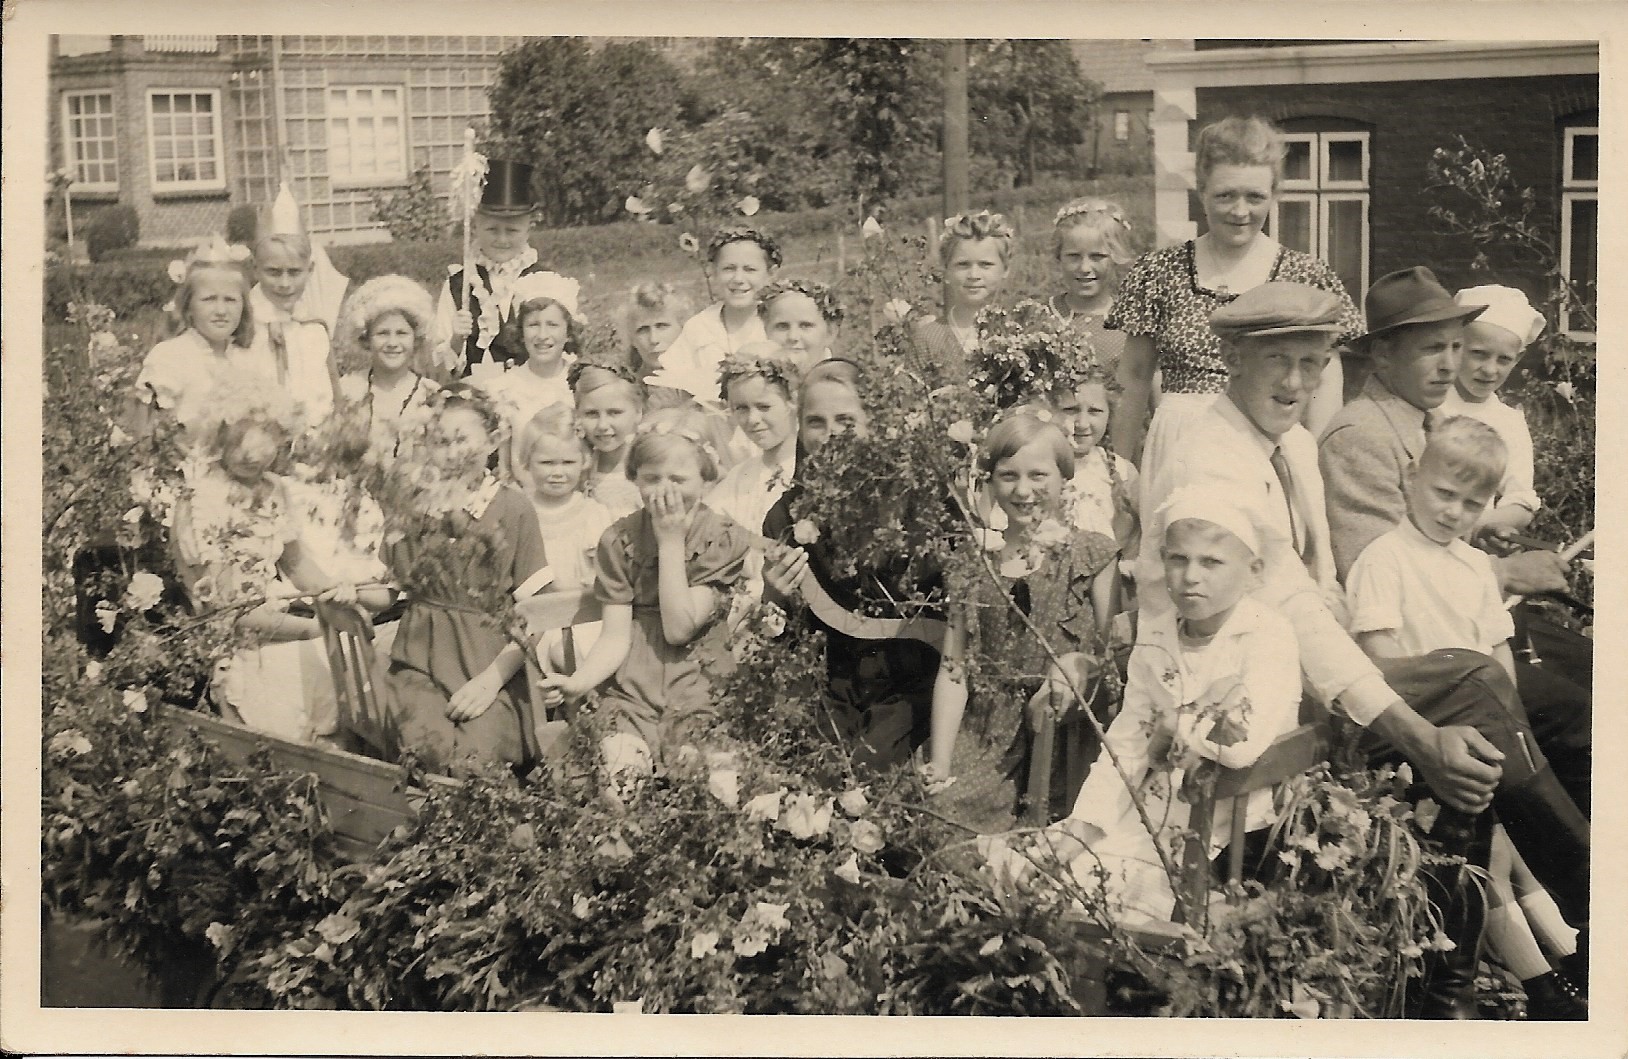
[{"x": 955, "y": 127}]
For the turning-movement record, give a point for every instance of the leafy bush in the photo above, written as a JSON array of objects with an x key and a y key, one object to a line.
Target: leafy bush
[
  {"x": 125, "y": 288},
  {"x": 413, "y": 214},
  {"x": 242, "y": 225},
  {"x": 113, "y": 228}
]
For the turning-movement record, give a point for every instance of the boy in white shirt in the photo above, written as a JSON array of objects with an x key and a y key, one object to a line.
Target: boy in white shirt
[{"x": 1420, "y": 588}]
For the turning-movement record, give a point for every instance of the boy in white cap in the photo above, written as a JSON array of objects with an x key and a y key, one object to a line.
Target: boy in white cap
[
  {"x": 1493, "y": 345},
  {"x": 1212, "y": 682}
]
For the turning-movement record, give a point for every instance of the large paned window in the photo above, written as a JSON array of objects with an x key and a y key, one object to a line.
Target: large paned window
[
  {"x": 184, "y": 140},
  {"x": 1322, "y": 205},
  {"x": 1580, "y": 226},
  {"x": 367, "y": 142},
  {"x": 90, "y": 145}
]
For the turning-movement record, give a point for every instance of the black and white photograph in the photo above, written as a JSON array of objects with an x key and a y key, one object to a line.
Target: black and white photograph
[{"x": 810, "y": 513}]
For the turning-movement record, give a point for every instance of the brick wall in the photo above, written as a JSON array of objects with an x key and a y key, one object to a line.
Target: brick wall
[{"x": 1520, "y": 117}]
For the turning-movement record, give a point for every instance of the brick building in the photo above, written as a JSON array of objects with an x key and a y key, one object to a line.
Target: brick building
[
  {"x": 1121, "y": 138},
  {"x": 1363, "y": 120},
  {"x": 183, "y": 128}
]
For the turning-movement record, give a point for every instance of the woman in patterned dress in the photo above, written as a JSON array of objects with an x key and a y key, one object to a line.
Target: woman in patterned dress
[{"x": 1167, "y": 297}]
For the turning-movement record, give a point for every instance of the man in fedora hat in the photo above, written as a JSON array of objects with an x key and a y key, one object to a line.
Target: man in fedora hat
[
  {"x": 468, "y": 339},
  {"x": 1415, "y": 339},
  {"x": 1458, "y": 724}
]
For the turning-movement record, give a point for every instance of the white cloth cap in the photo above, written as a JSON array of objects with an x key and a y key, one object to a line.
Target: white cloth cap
[
  {"x": 562, "y": 289},
  {"x": 1211, "y": 505},
  {"x": 1506, "y": 307}
]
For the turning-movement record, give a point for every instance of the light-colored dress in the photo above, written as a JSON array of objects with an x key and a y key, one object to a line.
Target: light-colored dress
[
  {"x": 570, "y": 539},
  {"x": 236, "y": 535},
  {"x": 179, "y": 373},
  {"x": 386, "y": 410},
  {"x": 521, "y": 393}
]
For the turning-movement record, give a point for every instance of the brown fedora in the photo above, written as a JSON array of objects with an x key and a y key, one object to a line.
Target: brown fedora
[{"x": 1411, "y": 296}]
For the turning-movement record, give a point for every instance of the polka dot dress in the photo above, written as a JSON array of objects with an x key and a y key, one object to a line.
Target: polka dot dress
[{"x": 1161, "y": 298}]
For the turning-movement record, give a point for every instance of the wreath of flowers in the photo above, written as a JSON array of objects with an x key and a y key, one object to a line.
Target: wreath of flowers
[
  {"x": 1090, "y": 207},
  {"x": 823, "y": 297},
  {"x": 739, "y": 365},
  {"x": 980, "y": 225},
  {"x": 1023, "y": 354},
  {"x": 738, "y": 233},
  {"x": 604, "y": 358},
  {"x": 235, "y": 400},
  {"x": 676, "y": 426}
]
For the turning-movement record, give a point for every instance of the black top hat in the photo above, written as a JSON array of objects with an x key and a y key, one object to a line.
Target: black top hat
[
  {"x": 508, "y": 188},
  {"x": 1410, "y": 296}
]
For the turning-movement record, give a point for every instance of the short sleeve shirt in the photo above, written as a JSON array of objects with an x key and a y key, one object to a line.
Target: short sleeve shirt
[{"x": 1431, "y": 596}]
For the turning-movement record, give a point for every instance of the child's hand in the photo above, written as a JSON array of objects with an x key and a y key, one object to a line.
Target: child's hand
[
  {"x": 935, "y": 778},
  {"x": 343, "y": 593},
  {"x": 668, "y": 514},
  {"x": 463, "y": 324},
  {"x": 558, "y": 689},
  {"x": 474, "y": 698},
  {"x": 785, "y": 570}
]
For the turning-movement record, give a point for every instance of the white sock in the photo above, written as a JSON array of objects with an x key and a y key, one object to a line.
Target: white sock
[
  {"x": 1550, "y": 927},
  {"x": 1510, "y": 938}
]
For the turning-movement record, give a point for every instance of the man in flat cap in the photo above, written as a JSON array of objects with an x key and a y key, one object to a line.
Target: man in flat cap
[{"x": 1458, "y": 725}]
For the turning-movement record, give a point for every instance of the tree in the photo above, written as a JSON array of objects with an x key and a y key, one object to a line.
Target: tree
[
  {"x": 579, "y": 114},
  {"x": 1030, "y": 103}
]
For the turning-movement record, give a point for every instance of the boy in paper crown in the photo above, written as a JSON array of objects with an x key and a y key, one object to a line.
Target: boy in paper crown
[
  {"x": 469, "y": 341},
  {"x": 1212, "y": 682},
  {"x": 1493, "y": 345}
]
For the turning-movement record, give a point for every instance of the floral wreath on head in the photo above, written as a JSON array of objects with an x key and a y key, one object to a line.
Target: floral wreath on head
[
  {"x": 823, "y": 297},
  {"x": 743, "y": 233},
  {"x": 613, "y": 361},
  {"x": 1091, "y": 207},
  {"x": 666, "y": 426},
  {"x": 1024, "y": 353},
  {"x": 739, "y": 365},
  {"x": 980, "y": 225}
]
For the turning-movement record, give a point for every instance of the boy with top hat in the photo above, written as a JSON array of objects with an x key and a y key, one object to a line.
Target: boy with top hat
[
  {"x": 468, "y": 338},
  {"x": 1459, "y": 724}
]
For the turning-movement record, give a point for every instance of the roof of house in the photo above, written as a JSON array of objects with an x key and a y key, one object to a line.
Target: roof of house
[{"x": 1120, "y": 65}]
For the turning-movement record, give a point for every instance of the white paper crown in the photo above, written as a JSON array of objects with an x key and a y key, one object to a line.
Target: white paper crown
[{"x": 562, "y": 289}]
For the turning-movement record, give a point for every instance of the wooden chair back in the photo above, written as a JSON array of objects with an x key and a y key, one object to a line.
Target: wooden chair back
[
  {"x": 547, "y": 611},
  {"x": 347, "y": 636}
]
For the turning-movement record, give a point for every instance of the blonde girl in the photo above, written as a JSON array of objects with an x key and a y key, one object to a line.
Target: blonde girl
[
  {"x": 975, "y": 252},
  {"x": 1091, "y": 244},
  {"x": 237, "y": 540},
  {"x": 551, "y": 464},
  {"x": 665, "y": 577},
  {"x": 610, "y": 402},
  {"x": 212, "y": 329}
]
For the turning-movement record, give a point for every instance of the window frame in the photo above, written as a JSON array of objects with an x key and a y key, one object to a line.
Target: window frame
[
  {"x": 1319, "y": 189},
  {"x": 351, "y": 180},
  {"x": 69, "y": 160},
  {"x": 1572, "y": 191},
  {"x": 1122, "y": 126},
  {"x": 162, "y": 187}
]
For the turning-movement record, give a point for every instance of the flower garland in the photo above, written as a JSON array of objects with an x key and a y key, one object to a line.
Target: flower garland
[
  {"x": 823, "y": 297},
  {"x": 1023, "y": 354},
  {"x": 744, "y": 233},
  {"x": 776, "y": 369}
]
